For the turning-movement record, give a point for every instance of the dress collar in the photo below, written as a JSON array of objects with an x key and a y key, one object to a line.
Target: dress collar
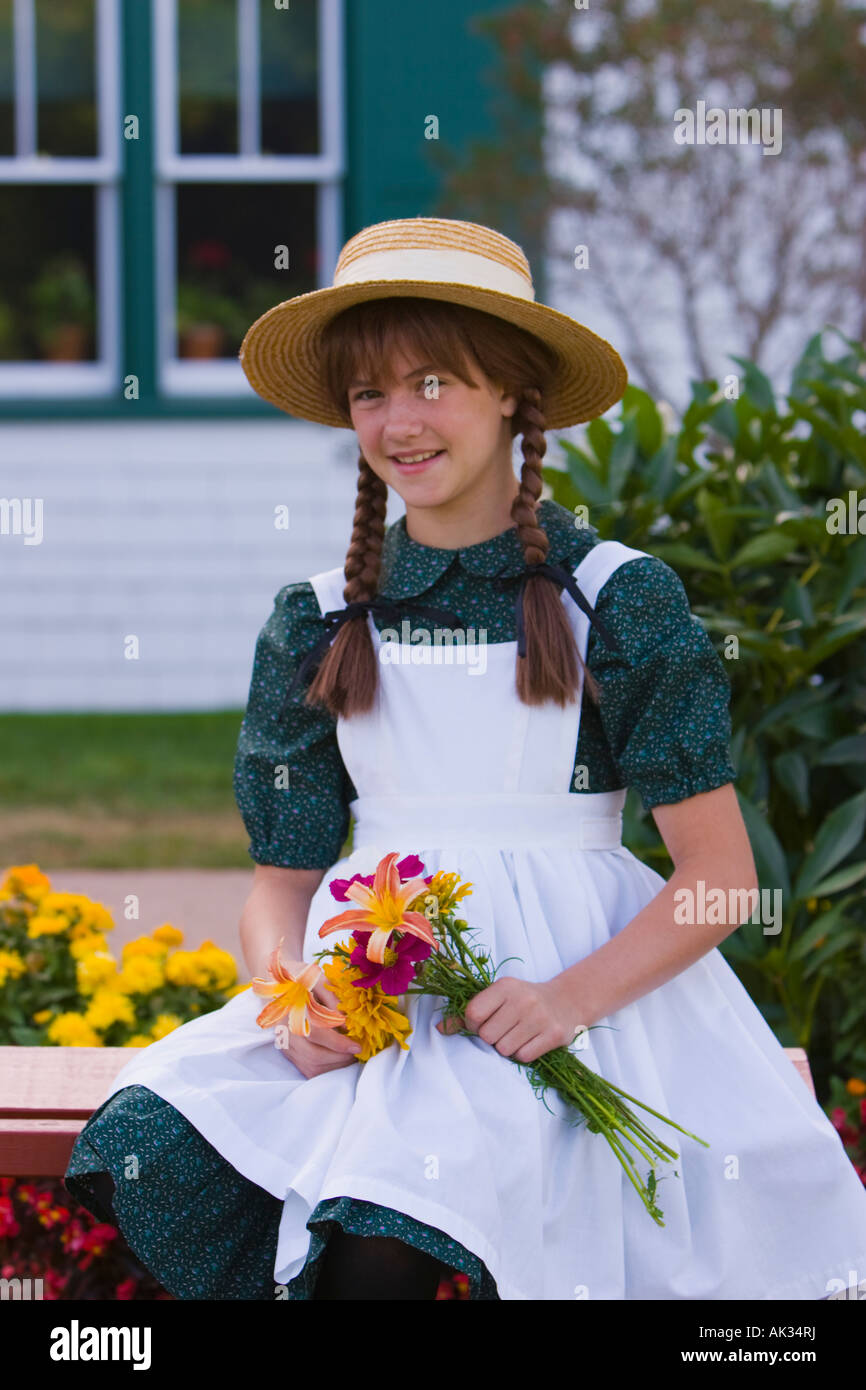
[{"x": 410, "y": 568}]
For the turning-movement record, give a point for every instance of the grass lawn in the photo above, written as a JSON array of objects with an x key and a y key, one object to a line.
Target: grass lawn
[{"x": 120, "y": 791}]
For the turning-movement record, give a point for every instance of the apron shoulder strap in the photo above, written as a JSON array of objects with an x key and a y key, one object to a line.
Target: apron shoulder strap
[{"x": 599, "y": 564}]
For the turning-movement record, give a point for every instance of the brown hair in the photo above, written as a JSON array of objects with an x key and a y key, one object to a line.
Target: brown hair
[{"x": 360, "y": 342}]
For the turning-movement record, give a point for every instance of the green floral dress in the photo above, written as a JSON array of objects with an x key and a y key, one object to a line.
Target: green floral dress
[{"x": 662, "y": 728}]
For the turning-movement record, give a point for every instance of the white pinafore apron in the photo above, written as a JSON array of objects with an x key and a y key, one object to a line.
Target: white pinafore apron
[{"x": 453, "y": 767}]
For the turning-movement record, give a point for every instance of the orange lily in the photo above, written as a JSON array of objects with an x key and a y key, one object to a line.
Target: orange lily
[
  {"x": 290, "y": 993},
  {"x": 383, "y": 909}
]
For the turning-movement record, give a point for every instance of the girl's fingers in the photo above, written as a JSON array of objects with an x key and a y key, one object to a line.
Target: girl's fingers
[
  {"x": 325, "y": 996},
  {"x": 450, "y": 1025}
]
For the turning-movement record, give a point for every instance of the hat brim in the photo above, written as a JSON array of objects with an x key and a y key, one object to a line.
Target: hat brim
[{"x": 280, "y": 352}]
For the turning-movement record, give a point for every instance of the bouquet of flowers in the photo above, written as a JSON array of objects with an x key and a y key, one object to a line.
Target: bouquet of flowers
[{"x": 407, "y": 940}]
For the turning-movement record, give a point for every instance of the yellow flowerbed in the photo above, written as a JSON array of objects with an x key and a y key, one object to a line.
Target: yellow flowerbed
[{"x": 61, "y": 985}]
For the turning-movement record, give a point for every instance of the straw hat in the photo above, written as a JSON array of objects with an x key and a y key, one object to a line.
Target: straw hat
[{"x": 433, "y": 258}]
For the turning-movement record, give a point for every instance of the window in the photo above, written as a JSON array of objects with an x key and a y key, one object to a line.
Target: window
[
  {"x": 249, "y": 160},
  {"x": 244, "y": 123},
  {"x": 59, "y": 180}
]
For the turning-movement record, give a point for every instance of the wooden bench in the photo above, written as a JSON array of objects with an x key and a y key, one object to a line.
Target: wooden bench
[{"x": 47, "y": 1094}]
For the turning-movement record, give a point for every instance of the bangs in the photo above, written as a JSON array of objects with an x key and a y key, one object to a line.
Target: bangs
[{"x": 363, "y": 342}]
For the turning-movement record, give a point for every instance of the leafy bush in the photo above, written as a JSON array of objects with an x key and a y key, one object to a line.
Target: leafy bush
[{"x": 739, "y": 500}]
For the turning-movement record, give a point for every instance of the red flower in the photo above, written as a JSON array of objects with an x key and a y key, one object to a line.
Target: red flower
[
  {"x": 126, "y": 1289},
  {"x": 210, "y": 255},
  {"x": 8, "y": 1225},
  {"x": 394, "y": 978},
  {"x": 98, "y": 1240}
]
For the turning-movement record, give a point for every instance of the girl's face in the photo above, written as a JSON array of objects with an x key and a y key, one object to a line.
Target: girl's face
[{"x": 466, "y": 427}]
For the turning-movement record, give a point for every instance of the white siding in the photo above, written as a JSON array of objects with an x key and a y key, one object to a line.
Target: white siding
[{"x": 164, "y": 530}]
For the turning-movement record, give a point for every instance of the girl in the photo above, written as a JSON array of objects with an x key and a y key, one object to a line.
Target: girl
[{"x": 238, "y": 1170}]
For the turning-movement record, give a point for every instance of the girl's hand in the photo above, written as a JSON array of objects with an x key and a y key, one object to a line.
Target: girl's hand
[
  {"x": 520, "y": 1018},
  {"x": 326, "y": 1048}
]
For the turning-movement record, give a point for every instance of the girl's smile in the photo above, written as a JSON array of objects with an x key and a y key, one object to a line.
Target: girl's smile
[{"x": 407, "y": 468}]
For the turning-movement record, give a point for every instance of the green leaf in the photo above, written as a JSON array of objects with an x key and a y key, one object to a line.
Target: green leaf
[
  {"x": 822, "y": 926},
  {"x": 660, "y": 472},
  {"x": 681, "y": 554},
  {"x": 601, "y": 437},
  {"x": 845, "y": 750},
  {"x": 22, "y": 1036},
  {"x": 641, "y": 406},
  {"x": 830, "y": 949},
  {"x": 755, "y": 384},
  {"x": 769, "y": 855},
  {"x": 623, "y": 457},
  {"x": 796, "y": 704},
  {"x": 792, "y": 771},
  {"x": 717, "y": 520},
  {"x": 840, "y": 833},
  {"x": 840, "y": 634},
  {"x": 764, "y": 549},
  {"x": 591, "y": 489},
  {"x": 852, "y": 873}
]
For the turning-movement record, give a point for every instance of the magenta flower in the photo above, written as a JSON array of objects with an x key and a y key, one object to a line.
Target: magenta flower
[
  {"x": 410, "y": 867},
  {"x": 394, "y": 978}
]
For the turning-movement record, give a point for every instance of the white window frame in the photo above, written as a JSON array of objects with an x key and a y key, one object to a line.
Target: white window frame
[
  {"x": 192, "y": 377},
  {"x": 99, "y": 378}
]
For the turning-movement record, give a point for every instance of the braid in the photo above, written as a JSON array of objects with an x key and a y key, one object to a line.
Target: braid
[
  {"x": 550, "y": 669},
  {"x": 364, "y": 556},
  {"x": 347, "y": 677},
  {"x": 534, "y": 446}
]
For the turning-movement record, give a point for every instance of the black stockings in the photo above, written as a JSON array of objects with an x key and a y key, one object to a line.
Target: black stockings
[
  {"x": 367, "y": 1267},
  {"x": 352, "y": 1267}
]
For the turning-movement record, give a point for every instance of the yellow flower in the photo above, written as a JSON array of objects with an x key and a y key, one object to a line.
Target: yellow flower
[
  {"x": 168, "y": 935},
  {"x": 179, "y": 968},
  {"x": 140, "y": 975},
  {"x": 138, "y": 1040},
  {"x": 12, "y": 965},
  {"x": 41, "y": 924},
  {"x": 80, "y": 913},
  {"x": 855, "y": 1087},
  {"x": 237, "y": 989},
  {"x": 165, "y": 1024},
  {"x": 443, "y": 888},
  {"x": 207, "y": 968},
  {"x": 91, "y": 943},
  {"x": 73, "y": 1030},
  {"x": 25, "y": 881},
  {"x": 42, "y": 1016},
  {"x": 95, "y": 970},
  {"x": 87, "y": 927},
  {"x": 371, "y": 1018},
  {"x": 143, "y": 946},
  {"x": 218, "y": 964},
  {"x": 108, "y": 1007}
]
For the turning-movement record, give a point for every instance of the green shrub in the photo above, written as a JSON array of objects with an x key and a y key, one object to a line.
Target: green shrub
[{"x": 739, "y": 501}]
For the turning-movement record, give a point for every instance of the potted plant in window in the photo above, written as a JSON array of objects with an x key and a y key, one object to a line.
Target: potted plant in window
[
  {"x": 62, "y": 302},
  {"x": 211, "y": 320}
]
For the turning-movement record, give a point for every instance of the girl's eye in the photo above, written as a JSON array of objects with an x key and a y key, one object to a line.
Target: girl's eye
[{"x": 370, "y": 390}]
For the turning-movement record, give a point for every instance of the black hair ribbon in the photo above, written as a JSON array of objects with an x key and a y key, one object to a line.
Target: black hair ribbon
[
  {"x": 567, "y": 581},
  {"x": 388, "y": 608}
]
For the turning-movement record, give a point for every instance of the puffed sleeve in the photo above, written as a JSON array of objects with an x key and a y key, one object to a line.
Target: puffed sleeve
[
  {"x": 665, "y": 702},
  {"x": 290, "y": 783}
]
